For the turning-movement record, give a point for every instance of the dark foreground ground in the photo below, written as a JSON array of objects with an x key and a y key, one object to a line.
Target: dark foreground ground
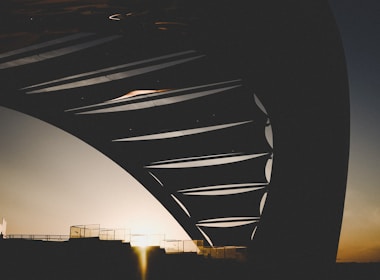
[
  {"x": 93, "y": 259},
  {"x": 352, "y": 271}
]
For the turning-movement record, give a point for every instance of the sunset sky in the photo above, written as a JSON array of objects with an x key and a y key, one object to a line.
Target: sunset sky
[
  {"x": 50, "y": 180},
  {"x": 359, "y": 22}
]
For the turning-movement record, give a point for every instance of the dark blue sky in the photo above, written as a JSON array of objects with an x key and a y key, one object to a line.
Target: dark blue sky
[{"x": 359, "y": 24}]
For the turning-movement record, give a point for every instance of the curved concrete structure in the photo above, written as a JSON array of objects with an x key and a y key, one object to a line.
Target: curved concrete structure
[{"x": 234, "y": 116}]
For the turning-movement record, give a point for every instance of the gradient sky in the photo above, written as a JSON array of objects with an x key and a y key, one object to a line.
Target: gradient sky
[
  {"x": 359, "y": 23},
  {"x": 50, "y": 180}
]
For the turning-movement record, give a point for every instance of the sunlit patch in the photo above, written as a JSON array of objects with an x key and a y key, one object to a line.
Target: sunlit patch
[
  {"x": 114, "y": 17},
  {"x": 228, "y": 222},
  {"x": 107, "y": 75},
  {"x": 181, "y": 205},
  {"x": 205, "y": 236},
  {"x": 201, "y": 161},
  {"x": 138, "y": 102},
  {"x": 46, "y": 44},
  {"x": 155, "y": 178},
  {"x": 262, "y": 202},
  {"x": 269, "y": 135},
  {"x": 179, "y": 133},
  {"x": 49, "y": 54},
  {"x": 227, "y": 189},
  {"x": 139, "y": 92},
  {"x": 118, "y": 17},
  {"x": 253, "y": 233},
  {"x": 169, "y": 23},
  {"x": 260, "y": 105},
  {"x": 268, "y": 169}
]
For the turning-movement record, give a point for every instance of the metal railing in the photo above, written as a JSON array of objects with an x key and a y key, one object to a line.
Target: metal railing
[
  {"x": 170, "y": 246},
  {"x": 225, "y": 252},
  {"x": 182, "y": 246},
  {"x": 85, "y": 231},
  {"x": 42, "y": 237}
]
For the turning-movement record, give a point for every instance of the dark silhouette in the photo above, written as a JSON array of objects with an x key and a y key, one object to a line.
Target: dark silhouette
[
  {"x": 91, "y": 258},
  {"x": 206, "y": 62}
]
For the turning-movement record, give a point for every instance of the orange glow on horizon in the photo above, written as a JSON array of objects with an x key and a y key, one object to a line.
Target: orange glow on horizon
[
  {"x": 359, "y": 238},
  {"x": 355, "y": 248}
]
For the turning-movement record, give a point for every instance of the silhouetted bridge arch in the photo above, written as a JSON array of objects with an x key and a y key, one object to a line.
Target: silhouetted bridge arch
[{"x": 214, "y": 108}]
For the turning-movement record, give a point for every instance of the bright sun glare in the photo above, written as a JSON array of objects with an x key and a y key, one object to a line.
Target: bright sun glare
[
  {"x": 142, "y": 250},
  {"x": 146, "y": 240},
  {"x": 141, "y": 244}
]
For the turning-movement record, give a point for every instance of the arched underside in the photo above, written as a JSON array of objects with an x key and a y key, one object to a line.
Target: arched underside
[{"x": 236, "y": 119}]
